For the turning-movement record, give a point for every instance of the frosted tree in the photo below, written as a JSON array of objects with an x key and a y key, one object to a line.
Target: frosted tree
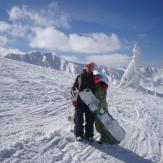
[{"x": 131, "y": 75}]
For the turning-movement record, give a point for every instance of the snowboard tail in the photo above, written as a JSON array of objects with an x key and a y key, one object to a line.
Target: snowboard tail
[
  {"x": 106, "y": 125},
  {"x": 106, "y": 136}
]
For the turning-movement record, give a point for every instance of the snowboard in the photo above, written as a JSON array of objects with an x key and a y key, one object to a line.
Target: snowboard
[{"x": 109, "y": 124}]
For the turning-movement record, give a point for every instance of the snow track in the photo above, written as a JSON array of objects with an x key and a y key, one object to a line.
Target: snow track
[{"x": 34, "y": 104}]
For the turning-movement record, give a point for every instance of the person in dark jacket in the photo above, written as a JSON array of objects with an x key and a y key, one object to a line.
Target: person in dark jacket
[{"x": 83, "y": 81}]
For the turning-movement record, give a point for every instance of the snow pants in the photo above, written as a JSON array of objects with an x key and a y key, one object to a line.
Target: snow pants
[{"x": 84, "y": 122}]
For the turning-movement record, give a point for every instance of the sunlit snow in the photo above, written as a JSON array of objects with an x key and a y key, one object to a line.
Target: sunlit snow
[{"x": 35, "y": 104}]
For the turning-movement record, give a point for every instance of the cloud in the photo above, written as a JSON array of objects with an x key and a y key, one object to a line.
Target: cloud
[
  {"x": 4, "y": 26},
  {"x": 50, "y": 15},
  {"x": 23, "y": 19},
  {"x": 20, "y": 30},
  {"x": 41, "y": 28},
  {"x": 94, "y": 43},
  {"x": 3, "y": 40},
  {"x": 5, "y": 51},
  {"x": 15, "y": 29},
  {"x": 49, "y": 38},
  {"x": 110, "y": 60},
  {"x": 54, "y": 39}
]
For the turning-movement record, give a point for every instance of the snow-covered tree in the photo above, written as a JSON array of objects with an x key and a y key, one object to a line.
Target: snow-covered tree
[{"x": 131, "y": 75}]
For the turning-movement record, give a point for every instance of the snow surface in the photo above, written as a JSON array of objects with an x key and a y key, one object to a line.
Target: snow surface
[{"x": 35, "y": 104}]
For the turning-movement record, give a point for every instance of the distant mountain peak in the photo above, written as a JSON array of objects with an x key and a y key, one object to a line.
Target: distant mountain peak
[{"x": 149, "y": 75}]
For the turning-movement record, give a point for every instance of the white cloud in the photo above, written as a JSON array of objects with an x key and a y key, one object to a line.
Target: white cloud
[
  {"x": 94, "y": 43},
  {"x": 19, "y": 14},
  {"x": 41, "y": 28},
  {"x": 20, "y": 30},
  {"x": 15, "y": 13},
  {"x": 110, "y": 60},
  {"x": 54, "y": 39},
  {"x": 47, "y": 16},
  {"x": 15, "y": 29},
  {"x": 4, "y": 26},
  {"x": 24, "y": 20},
  {"x": 5, "y": 51},
  {"x": 50, "y": 38},
  {"x": 3, "y": 40}
]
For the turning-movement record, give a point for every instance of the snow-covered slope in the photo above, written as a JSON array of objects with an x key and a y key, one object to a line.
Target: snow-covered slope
[{"x": 34, "y": 105}]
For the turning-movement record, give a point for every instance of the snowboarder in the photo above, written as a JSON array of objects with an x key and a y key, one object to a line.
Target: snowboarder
[
  {"x": 83, "y": 81},
  {"x": 101, "y": 87}
]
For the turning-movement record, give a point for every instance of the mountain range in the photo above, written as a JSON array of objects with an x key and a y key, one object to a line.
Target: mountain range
[
  {"x": 50, "y": 60},
  {"x": 151, "y": 77}
]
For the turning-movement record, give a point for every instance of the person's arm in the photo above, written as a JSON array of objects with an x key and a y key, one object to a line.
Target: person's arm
[
  {"x": 74, "y": 92},
  {"x": 75, "y": 87}
]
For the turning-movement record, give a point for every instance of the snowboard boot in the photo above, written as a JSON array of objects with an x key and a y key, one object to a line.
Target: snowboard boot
[
  {"x": 78, "y": 138},
  {"x": 90, "y": 139}
]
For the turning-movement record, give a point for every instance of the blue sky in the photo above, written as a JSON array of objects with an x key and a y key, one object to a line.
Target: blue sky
[{"x": 81, "y": 31}]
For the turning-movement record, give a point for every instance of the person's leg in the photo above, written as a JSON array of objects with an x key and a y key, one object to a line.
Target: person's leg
[
  {"x": 89, "y": 128},
  {"x": 78, "y": 120}
]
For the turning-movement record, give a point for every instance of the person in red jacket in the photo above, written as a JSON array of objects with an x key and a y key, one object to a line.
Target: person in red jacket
[{"x": 83, "y": 81}]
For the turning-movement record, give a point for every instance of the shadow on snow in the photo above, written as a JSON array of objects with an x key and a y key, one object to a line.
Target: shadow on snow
[{"x": 120, "y": 153}]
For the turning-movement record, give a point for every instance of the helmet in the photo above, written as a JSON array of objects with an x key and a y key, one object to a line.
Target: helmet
[{"x": 90, "y": 67}]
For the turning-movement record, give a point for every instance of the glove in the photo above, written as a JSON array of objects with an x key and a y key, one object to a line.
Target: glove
[{"x": 74, "y": 103}]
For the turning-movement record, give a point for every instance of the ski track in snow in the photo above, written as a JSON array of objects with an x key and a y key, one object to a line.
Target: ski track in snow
[{"x": 34, "y": 105}]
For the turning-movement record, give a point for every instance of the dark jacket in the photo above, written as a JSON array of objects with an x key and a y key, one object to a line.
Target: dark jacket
[{"x": 86, "y": 82}]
